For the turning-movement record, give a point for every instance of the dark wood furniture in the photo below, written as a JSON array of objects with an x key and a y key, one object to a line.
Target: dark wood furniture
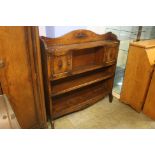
[
  {"x": 21, "y": 74},
  {"x": 78, "y": 70}
]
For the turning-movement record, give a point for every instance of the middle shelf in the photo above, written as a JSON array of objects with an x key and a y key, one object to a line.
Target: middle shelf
[{"x": 68, "y": 84}]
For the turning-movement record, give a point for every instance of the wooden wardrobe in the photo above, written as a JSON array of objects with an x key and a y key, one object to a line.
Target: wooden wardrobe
[
  {"x": 78, "y": 69},
  {"x": 21, "y": 74}
]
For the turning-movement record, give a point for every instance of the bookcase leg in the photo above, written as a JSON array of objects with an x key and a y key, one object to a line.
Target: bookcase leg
[
  {"x": 52, "y": 124},
  {"x": 110, "y": 97}
]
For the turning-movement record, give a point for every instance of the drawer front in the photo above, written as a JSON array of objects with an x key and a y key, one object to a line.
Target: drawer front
[{"x": 61, "y": 66}]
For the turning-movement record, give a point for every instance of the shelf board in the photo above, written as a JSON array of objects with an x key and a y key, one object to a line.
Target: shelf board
[
  {"x": 58, "y": 48},
  {"x": 91, "y": 67},
  {"x": 77, "y": 83},
  {"x": 79, "y": 106},
  {"x": 78, "y": 100},
  {"x": 80, "y": 70}
]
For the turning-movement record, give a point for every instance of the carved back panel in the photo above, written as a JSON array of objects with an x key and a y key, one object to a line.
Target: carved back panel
[{"x": 79, "y": 36}]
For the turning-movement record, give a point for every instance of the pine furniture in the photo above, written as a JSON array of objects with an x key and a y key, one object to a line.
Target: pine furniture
[
  {"x": 138, "y": 75},
  {"x": 149, "y": 106}
]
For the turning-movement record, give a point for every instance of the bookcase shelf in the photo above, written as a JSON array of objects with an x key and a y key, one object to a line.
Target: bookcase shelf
[
  {"x": 85, "y": 96},
  {"x": 76, "y": 82},
  {"x": 78, "y": 70}
]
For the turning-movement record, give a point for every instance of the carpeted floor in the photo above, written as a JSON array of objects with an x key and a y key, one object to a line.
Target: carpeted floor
[
  {"x": 105, "y": 115},
  {"x": 7, "y": 116}
]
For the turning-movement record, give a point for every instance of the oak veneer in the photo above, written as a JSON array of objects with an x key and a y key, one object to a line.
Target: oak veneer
[
  {"x": 149, "y": 106},
  {"x": 71, "y": 83},
  {"x": 78, "y": 70},
  {"x": 21, "y": 74},
  {"x": 138, "y": 73}
]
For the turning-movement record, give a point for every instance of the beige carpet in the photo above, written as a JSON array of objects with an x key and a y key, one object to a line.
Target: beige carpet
[
  {"x": 105, "y": 115},
  {"x": 7, "y": 117}
]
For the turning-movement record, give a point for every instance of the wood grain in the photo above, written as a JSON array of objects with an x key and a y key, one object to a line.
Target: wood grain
[
  {"x": 137, "y": 76},
  {"x": 149, "y": 106},
  {"x": 72, "y": 38},
  {"x": 78, "y": 70},
  {"x": 21, "y": 75}
]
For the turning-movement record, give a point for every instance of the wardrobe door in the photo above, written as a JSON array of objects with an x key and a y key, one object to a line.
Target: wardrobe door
[{"x": 21, "y": 74}]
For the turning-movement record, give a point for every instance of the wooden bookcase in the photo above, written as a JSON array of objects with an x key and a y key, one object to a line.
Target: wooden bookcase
[{"x": 78, "y": 70}]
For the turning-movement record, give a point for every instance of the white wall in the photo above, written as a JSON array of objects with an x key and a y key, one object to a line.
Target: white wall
[
  {"x": 97, "y": 29},
  {"x": 42, "y": 31}
]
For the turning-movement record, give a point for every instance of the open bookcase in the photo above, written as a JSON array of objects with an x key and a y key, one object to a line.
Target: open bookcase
[{"x": 78, "y": 70}]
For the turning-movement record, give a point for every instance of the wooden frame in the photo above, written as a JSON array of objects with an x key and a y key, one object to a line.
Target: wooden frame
[{"x": 76, "y": 65}]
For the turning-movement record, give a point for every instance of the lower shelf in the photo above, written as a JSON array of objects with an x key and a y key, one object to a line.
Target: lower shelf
[
  {"x": 80, "y": 99},
  {"x": 72, "y": 83}
]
